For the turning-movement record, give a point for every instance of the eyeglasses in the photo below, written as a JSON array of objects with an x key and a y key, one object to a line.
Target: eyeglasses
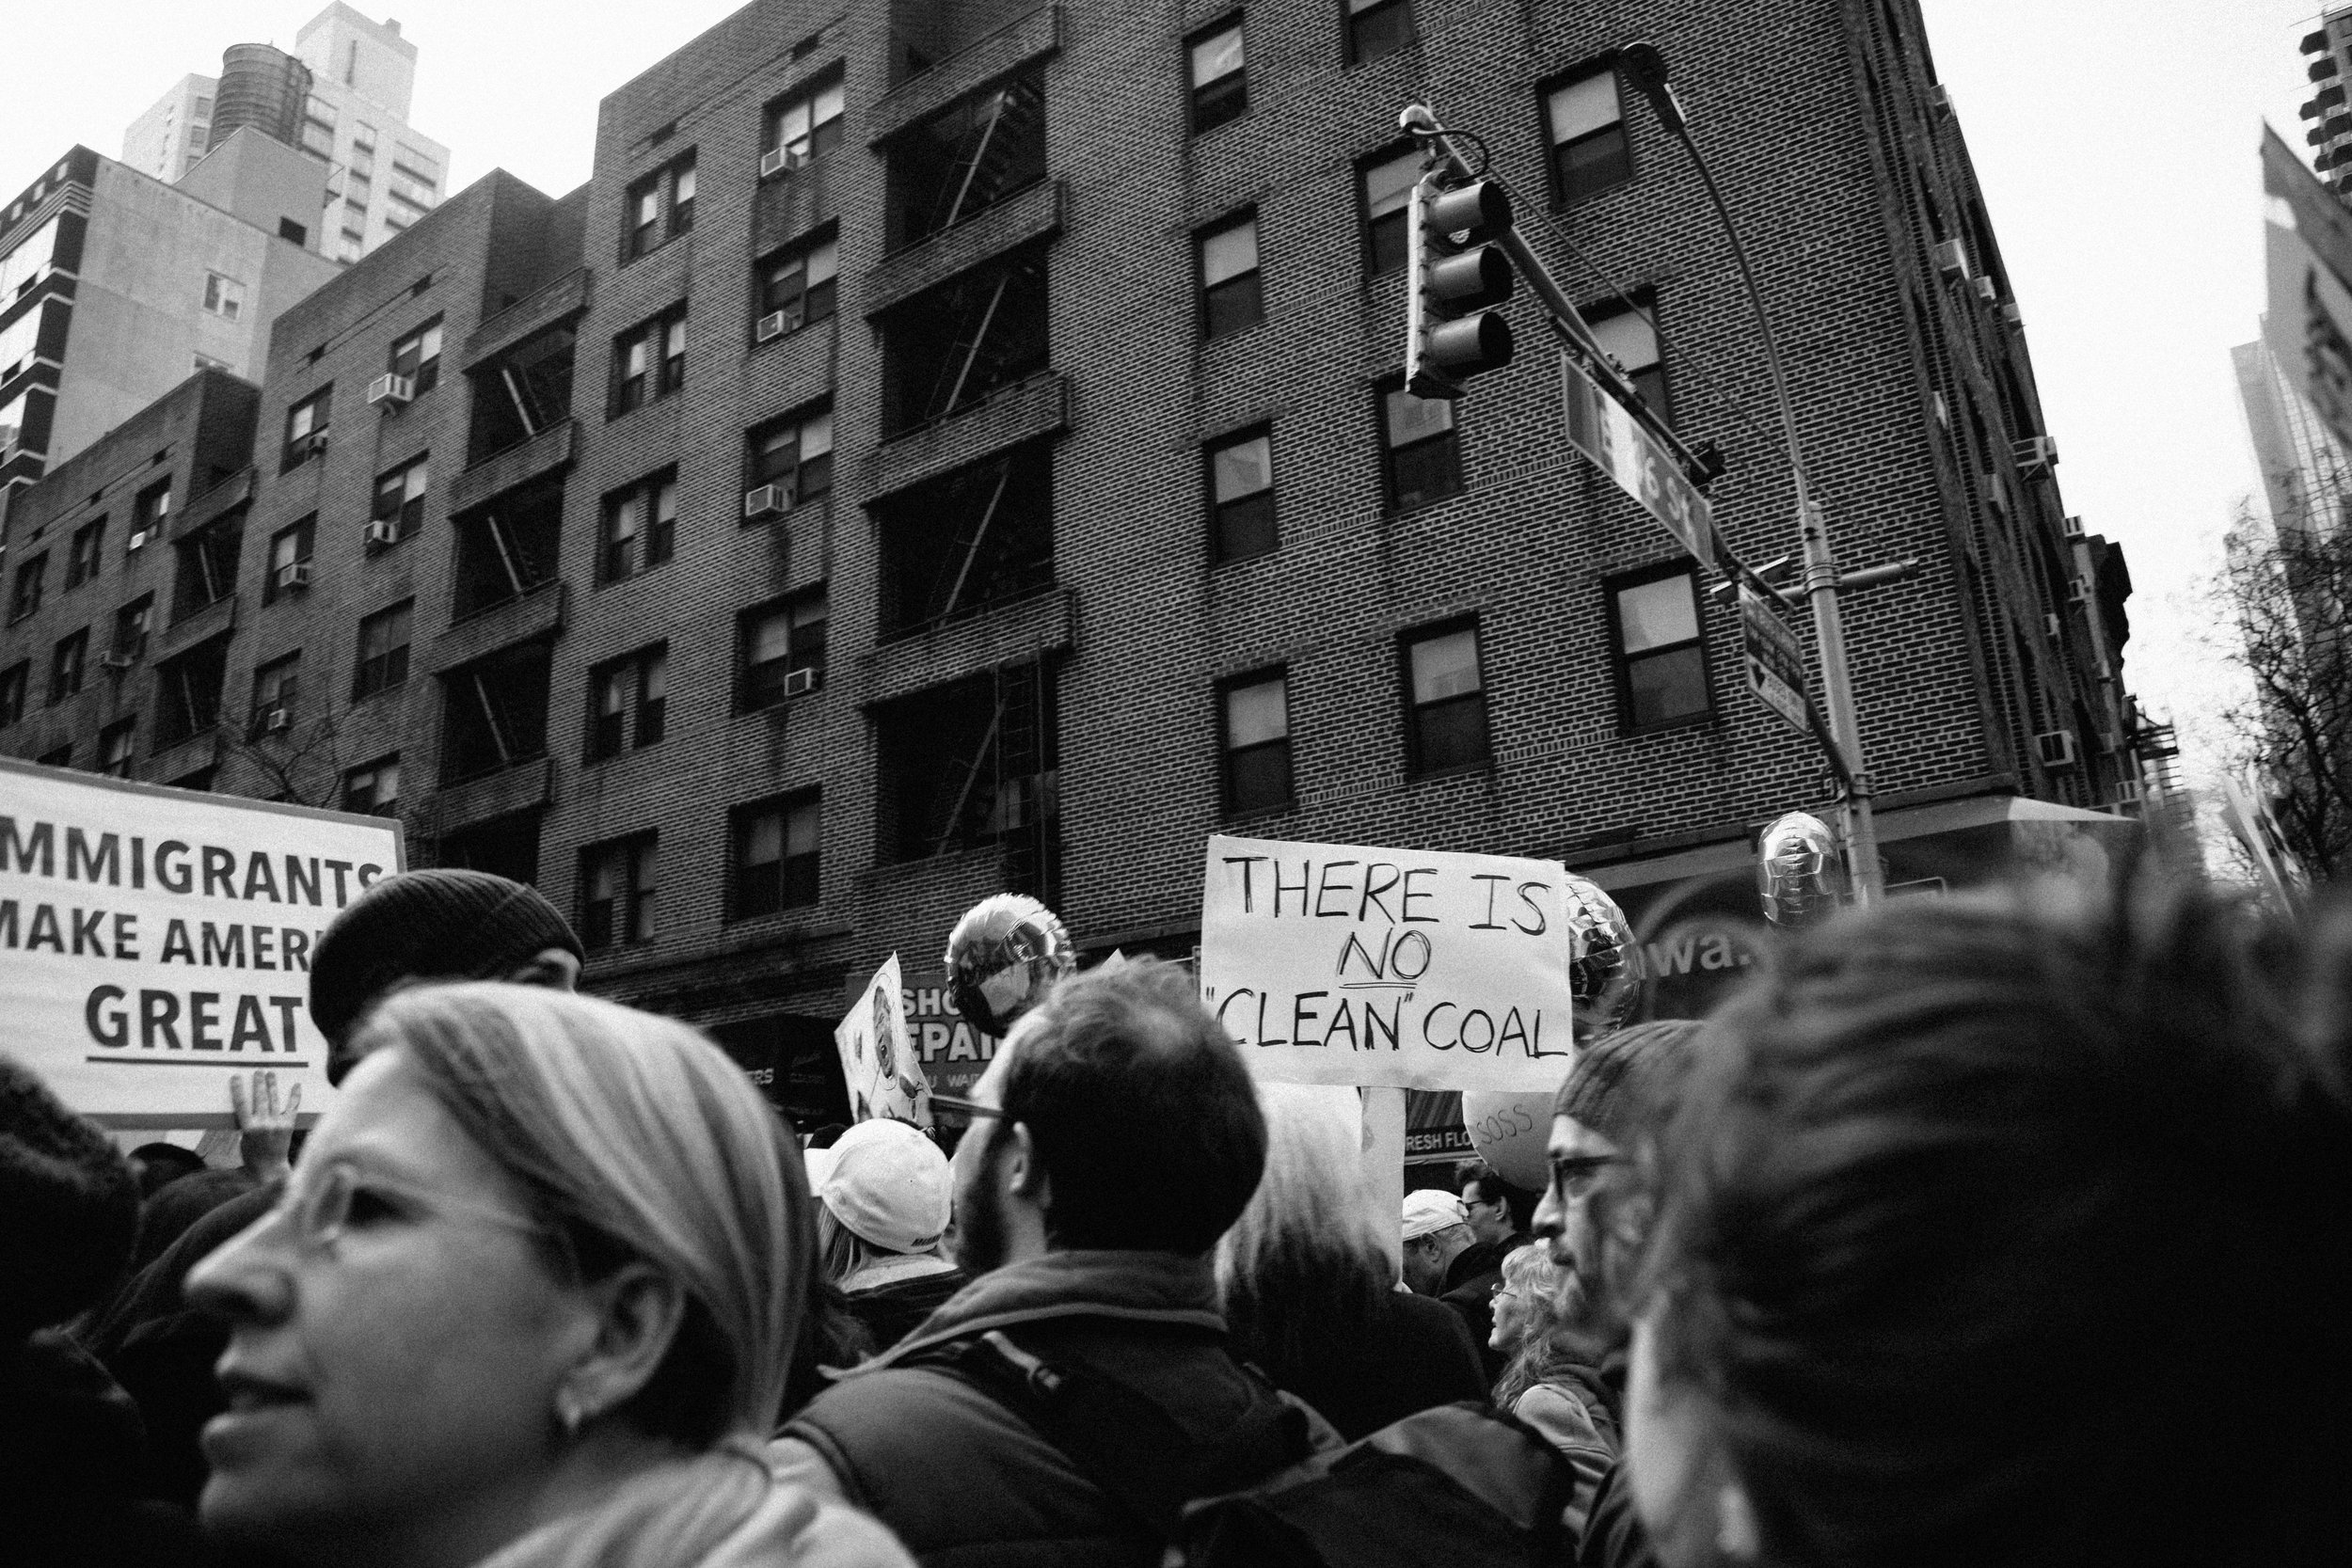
[
  {"x": 1577, "y": 1177},
  {"x": 969, "y": 1107},
  {"x": 320, "y": 1208}
]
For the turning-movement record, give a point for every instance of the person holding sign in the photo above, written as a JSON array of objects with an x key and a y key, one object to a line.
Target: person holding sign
[{"x": 528, "y": 1300}]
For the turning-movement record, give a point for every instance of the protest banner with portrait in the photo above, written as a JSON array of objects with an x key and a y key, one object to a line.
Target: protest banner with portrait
[
  {"x": 884, "y": 1075},
  {"x": 153, "y": 938},
  {"x": 1403, "y": 969}
]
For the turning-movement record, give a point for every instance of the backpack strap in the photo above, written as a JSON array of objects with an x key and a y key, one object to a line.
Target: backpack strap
[{"x": 1123, "y": 1442}]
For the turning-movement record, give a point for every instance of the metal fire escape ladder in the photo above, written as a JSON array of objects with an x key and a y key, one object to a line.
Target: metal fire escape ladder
[
  {"x": 491, "y": 717},
  {"x": 983, "y": 759},
  {"x": 969, "y": 348},
  {"x": 971, "y": 157},
  {"x": 506, "y": 556},
  {"x": 980, "y": 537},
  {"x": 522, "y": 403}
]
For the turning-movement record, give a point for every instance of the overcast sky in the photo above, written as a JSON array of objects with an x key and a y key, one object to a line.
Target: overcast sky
[{"x": 2116, "y": 141}]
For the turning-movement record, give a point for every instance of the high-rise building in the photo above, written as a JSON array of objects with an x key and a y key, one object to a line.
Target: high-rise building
[
  {"x": 116, "y": 287},
  {"x": 2306, "y": 473},
  {"x": 2330, "y": 46},
  {"x": 952, "y": 446},
  {"x": 343, "y": 96}
]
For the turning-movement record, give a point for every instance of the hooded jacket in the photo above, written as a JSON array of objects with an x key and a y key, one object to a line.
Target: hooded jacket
[{"x": 967, "y": 1481}]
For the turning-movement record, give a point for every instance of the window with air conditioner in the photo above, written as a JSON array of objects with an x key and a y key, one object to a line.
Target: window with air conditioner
[
  {"x": 416, "y": 358},
  {"x": 289, "y": 557},
  {"x": 275, "y": 687},
  {"x": 802, "y": 126},
  {"x": 306, "y": 427},
  {"x": 782, "y": 646},
  {"x": 789, "y": 462},
  {"x": 797, "y": 287},
  {"x": 399, "y": 497}
]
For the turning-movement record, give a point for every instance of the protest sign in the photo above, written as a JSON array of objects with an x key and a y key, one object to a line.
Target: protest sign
[
  {"x": 155, "y": 937},
  {"x": 1404, "y": 969},
  {"x": 885, "y": 1076}
]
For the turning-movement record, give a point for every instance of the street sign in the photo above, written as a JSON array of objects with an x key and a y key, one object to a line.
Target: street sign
[
  {"x": 1638, "y": 461},
  {"x": 1775, "y": 660}
]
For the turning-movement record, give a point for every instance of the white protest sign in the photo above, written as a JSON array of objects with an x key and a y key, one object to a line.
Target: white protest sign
[
  {"x": 154, "y": 938},
  {"x": 884, "y": 1075},
  {"x": 1403, "y": 969}
]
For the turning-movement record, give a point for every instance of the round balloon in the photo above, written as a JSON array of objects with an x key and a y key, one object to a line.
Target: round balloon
[
  {"x": 1003, "y": 957},
  {"x": 1797, "y": 871},
  {"x": 1604, "y": 961},
  {"x": 1509, "y": 1132}
]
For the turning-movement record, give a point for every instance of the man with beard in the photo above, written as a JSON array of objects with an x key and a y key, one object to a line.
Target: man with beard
[{"x": 1061, "y": 1406}]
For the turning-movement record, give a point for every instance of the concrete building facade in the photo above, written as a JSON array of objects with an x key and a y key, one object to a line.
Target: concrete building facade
[
  {"x": 384, "y": 174},
  {"x": 961, "y": 449}
]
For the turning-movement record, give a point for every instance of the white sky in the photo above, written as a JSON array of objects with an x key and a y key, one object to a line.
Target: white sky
[{"x": 2116, "y": 140}]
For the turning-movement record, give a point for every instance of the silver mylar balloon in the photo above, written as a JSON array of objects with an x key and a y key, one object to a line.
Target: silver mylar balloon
[
  {"x": 1602, "y": 954},
  {"x": 1003, "y": 957},
  {"x": 1798, "y": 873}
]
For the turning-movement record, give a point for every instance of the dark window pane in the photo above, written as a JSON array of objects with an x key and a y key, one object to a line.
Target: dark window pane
[
  {"x": 1668, "y": 686},
  {"x": 1594, "y": 163},
  {"x": 1219, "y": 102},
  {"x": 1388, "y": 243},
  {"x": 1380, "y": 29},
  {"x": 1235, "y": 305},
  {"x": 1259, "y": 777},
  {"x": 1246, "y": 528},
  {"x": 1450, "y": 734},
  {"x": 1426, "y": 471}
]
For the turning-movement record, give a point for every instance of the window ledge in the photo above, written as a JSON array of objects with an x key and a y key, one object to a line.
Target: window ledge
[
  {"x": 485, "y": 796},
  {"x": 1017, "y": 43},
  {"x": 1449, "y": 775}
]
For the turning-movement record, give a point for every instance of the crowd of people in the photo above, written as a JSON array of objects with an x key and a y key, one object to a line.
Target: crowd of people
[{"x": 2003, "y": 1229}]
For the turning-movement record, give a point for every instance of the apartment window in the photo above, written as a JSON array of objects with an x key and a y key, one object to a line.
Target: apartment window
[
  {"x": 373, "y": 790},
  {"x": 13, "y": 682},
  {"x": 801, "y": 127},
  {"x": 114, "y": 748},
  {"x": 399, "y": 497},
  {"x": 26, "y": 599},
  {"x": 275, "y": 687},
  {"x": 797, "y": 289},
  {"x": 83, "y": 555},
  {"x": 132, "y": 621},
  {"x": 1378, "y": 27},
  {"x": 383, "y": 661},
  {"x": 1423, "y": 455},
  {"x": 1660, "y": 653},
  {"x": 774, "y": 856},
  {"x": 783, "y": 649},
  {"x": 1629, "y": 339},
  {"x": 1255, "y": 719},
  {"x": 224, "y": 297},
  {"x": 306, "y": 427},
  {"x": 649, "y": 362},
  {"x": 629, "y": 703},
  {"x": 795, "y": 456},
  {"x": 640, "y": 527},
  {"x": 288, "y": 549},
  {"x": 1231, "y": 297},
  {"x": 1241, "y": 497},
  {"x": 1388, "y": 187},
  {"x": 669, "y": 191},
  {"x": 1589, "y": 152},
  {"x": 66, "y": 662},
  {"x": 417, "y": 357},
  {"x": 148, "y": 511},
  {"x": 617, "y": 892},
  {"x": 1220, "y": 76},
  {"x": 1445, "y": 721}
]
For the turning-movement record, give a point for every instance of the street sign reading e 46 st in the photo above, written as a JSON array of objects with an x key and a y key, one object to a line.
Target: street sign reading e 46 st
[{"x": 1638, "y": 461}]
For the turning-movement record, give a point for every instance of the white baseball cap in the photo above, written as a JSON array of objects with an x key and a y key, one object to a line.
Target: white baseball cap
[
  {"x": 1429, "y": 1209},
  {"x": 888, "y": 1184}
]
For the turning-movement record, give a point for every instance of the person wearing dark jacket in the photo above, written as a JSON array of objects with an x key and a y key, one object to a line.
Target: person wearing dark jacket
[
  {"x": 882, "y": 1209},
  {"x": 437, "y": 924},
  {"x": 1310, "y": 1289},
  {"x": 1116, "y": 1135},
  {"x": 71, "y": 1442}
]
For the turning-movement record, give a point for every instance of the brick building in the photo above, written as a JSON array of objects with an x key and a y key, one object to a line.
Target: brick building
[{"x": 954, "y": 447}]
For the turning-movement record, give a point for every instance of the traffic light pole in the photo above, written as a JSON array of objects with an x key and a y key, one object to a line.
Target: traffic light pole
[{"x": 1646, "y": 66}]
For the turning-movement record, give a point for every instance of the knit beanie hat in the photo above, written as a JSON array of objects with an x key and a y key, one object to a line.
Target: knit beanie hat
[
  {"x": 69, "y": 1208},
  {"x": 440, "y": 924},
  {"x": 889, "y": 1186},
  {"x": 1625, "y": 1082}
]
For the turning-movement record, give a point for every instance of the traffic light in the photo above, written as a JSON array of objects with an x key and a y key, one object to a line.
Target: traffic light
[{"x": 1452, "y": 276}]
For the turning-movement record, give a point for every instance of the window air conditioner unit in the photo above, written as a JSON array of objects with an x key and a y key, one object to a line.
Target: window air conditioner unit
[
  {"x": 2078, "y": 591},
  {"x": 294, "y": 574},
  {"x": 1988, "y": 290},
  {"x": 2034, "y": 451},
  {"x": 138, "y": 540},
  {"x": 276, "y": 720},
  {"x": 800, "y": 682},
  {"x": 2057, "y": 748},
  {"x": 382, "y": 532},
  {"x": 766, "y": 502},
  {"x": 312, "y": 445},
  {"x": 770, "y": 325},
  {"x": 2011, "y": 314},
  {"x": 1939, "y": 102},
  {"x": 2054, "y": 624},
  {"x": 117, "y": 660},
  {"x": 1951, "y": 260},
  {"x": 393, "y": 389},
  {"x": 775, "y": 161},
  {"x": 2073, "y": 528}
]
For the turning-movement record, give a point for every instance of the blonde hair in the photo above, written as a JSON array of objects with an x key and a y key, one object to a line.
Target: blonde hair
[
  {"x": 636, "y": 1138},
  {"x": 1303, "y": 1267},
  {"x": 1550, "y": 1342}
]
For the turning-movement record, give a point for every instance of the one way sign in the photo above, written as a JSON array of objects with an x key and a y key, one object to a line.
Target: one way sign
[{"x": 1775, "y": 660}]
